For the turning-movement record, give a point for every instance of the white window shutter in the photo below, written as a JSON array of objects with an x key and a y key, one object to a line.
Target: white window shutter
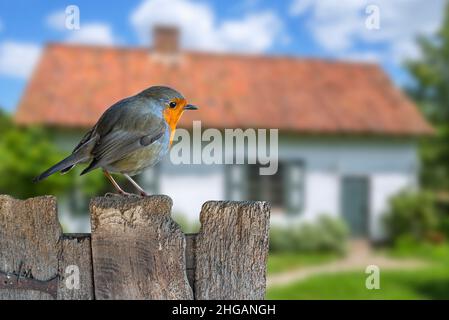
[
  {"x": 294, "y": 188},
  {"x": 236, "y": 182}
]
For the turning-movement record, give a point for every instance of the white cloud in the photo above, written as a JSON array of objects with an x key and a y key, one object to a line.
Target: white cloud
[
  {"x": 298, "y": 7},
  {"x": 17, "y": 59},
  {"x": 92, "y": 33},
  {"x": 255, "y": 32},
  {"x": 56, "y": 20},
  {"x": 339, "y": 26}
]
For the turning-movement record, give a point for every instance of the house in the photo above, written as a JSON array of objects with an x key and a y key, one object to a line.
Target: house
[{"x": 347, "y": 136}]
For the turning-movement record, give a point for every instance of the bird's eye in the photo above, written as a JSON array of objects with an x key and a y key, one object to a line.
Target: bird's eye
[{"x": 172, "y": 104}]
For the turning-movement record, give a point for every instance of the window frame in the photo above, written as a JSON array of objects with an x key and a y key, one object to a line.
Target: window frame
[{"x": 243, "y": 185}]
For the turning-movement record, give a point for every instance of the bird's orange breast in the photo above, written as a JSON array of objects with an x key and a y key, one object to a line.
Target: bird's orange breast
[{"x": 173, "y": 115}]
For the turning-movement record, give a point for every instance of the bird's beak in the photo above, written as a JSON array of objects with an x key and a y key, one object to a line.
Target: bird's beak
[{"x": 190, "y": 107}]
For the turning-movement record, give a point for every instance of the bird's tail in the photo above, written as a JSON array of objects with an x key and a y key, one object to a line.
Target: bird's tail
[{"x": 63, "y": 166}]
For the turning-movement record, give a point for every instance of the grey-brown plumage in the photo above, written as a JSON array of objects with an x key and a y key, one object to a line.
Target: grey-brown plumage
[{"x": 131, "y": 135}]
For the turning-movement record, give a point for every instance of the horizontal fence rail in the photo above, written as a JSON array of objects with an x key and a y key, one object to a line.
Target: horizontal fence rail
[{"x": 135, "y": 251}]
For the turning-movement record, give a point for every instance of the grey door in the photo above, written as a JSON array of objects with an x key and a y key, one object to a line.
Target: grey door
[{"x": 354, "y": 204}]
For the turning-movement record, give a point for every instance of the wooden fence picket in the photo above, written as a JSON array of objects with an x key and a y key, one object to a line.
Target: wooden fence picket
[
  {"x": 232, "y": 250},
  {"x": 135, "y": 251},
  {"x": 34, "y": 253}
]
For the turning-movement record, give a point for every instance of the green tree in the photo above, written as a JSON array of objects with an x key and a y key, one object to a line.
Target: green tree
[
  {"x": 431, "y": 92},
  {"x": 23, "y": 153},
  {"x": 411, "y": 214},
  {"x": 27, "y": 151}
]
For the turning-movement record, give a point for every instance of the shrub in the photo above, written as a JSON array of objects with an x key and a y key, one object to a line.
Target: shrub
[
  {"x": 444, "y": 226},
  {"x": 281, "y": 239},
  {"x": 326, "y": 234},
  {"x": 411, "y": 214},
  {"x": 334, "y": 232}
]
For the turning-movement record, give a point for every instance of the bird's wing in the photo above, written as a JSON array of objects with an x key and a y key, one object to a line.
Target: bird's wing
[
  {"x": 104, "y": 124},
  {"x": 119, "y": 143},
  {"x": 126, "y": 136},
  {"x": 82, "y": 149}
]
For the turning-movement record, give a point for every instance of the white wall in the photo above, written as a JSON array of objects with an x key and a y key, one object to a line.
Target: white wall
[
  {"x": 191, "y": 185},
  {"x": 389, "y": 164}
]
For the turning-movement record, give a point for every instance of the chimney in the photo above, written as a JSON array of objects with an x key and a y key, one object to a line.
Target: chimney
[{"x": 166, "y": 40}]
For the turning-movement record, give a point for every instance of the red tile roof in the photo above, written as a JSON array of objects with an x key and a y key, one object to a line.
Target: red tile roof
[{"x": 73, "y": 85}]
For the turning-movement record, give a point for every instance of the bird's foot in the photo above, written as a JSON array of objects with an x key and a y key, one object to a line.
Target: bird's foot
[
  {"x": 110, "y": 194},
  {"x": 126, "y": 194},
  {"x": 143, "y": 194}
]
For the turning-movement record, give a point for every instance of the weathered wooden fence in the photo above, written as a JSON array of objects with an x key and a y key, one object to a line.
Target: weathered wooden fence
[{"x": 135, "y": 251}]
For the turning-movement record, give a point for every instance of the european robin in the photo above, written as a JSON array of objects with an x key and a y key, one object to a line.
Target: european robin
[{"x": 131, "y": 135}]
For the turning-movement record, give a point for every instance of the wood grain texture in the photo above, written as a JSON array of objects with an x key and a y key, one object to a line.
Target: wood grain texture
[
  {"x": 30, "y": 247},
  {"x": 34, "y": 254},
  {"x": 231, "y": 250},
  {"x": 138, "y": 250},
  {"x": 190, "y": 258},
  {"x": 76, "y": 251}
]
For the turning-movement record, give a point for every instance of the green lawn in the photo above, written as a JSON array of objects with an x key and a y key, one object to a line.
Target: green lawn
[
  {"x": 280, "y": 262},
  {"x": 430, "y": 282}
]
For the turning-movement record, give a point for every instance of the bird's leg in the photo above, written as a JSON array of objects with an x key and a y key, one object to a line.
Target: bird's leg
[
  {"x": 139, "y": 188},
  {"x": 115, "y": 184}
]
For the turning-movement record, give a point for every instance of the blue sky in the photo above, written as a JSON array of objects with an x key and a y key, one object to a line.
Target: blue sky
[{"x": 304, "y": 28}]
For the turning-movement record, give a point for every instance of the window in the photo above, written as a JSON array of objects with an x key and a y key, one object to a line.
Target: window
[
  {"x": 266, "y": 187},
  {"x": 284, "y": 190}
]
